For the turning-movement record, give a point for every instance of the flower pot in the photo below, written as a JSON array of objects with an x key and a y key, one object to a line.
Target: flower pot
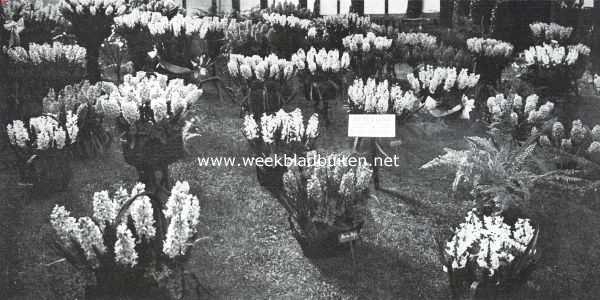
[
  {"x": 152, "y": 158},
  {"x": 271, "y": 178},
  {"x": 319, "y": 240}
]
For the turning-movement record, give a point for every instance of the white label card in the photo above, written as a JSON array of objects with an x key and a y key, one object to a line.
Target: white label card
[
  {"x": 348, "y": 236},
  {"x": 372, "y": 125}
]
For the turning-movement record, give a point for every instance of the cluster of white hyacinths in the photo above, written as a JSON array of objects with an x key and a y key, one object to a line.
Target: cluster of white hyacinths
[
  {"x": 165, "y": 97},
  {"x": 331, "y": 186},
  {"x": 418, "y": 39},
  {"x": 281, "y": 127},
  {"x": 346, "y": 20},
  {"x": 75, "y": 97},
  {"x": 597, "y": 83},
  {"x": 448, "y": 78},
  {"x": 490, "y": 47},
  {"x": 528, "y": 111},
  {"x": 259, "y": 68},
  {"x": 321, "y": 61},
  {"x": 44, "y": 133},
  {"x": 287, "y": 21},
  {"x": 48, "y": 53},
  {"x": 550, "y": 31},
  {"x": 182, "y": 212},
  {"x": 364, "y": 43},
  {"x": 577, "y": 138},
  {"x": 180, "y": 25},
  {"x": 380, "y": 98},
  {"x": 550, "y": 55},
  {"x": 95, "y": 7},
  {"x": 489, "y": 243}
]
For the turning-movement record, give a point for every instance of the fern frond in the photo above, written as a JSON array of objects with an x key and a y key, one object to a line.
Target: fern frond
[
  {"x": 523, "y": 154},
  {"x": 480, "y": 143},
  {"x": 452, "y": 158}
]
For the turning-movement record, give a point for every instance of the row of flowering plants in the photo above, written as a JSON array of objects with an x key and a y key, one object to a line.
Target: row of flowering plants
[
  {"x": 42, "y": 148},
  {"x": 150, "y": 111},
  {"x": 328, "y": 31},
  {"x": 324, "y": 198},
  {"x": 25, "y": 22},
  {"x": 36, "y": 69},
  {"x": 287, "y": 33},
  {"x": 133, "y": 244}
]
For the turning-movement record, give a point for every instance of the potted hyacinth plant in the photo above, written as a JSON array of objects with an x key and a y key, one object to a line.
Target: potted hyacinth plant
[
  {"x": 414, "y": 48},
  {"x": 369, "y": 54},
  {"x": 488, "y": 257},
  {"x": 491, "y": 57},
  {"x": 42, "y": 146},
  {"x": 262, "y": 81},
  {"x": 326, "y": 198},
  {"x": 444, "y": 90},
  {"x": 35, "y": 70},
  {"x": 516, "y": 119},
  {"x": 150, "y": 111},
  {"x": 132, "y": 244},
  {"x": 323, "y": 75},
  {"x": 93, "y": 138},
  {"x": 287, "y": 33},
  {"x": 553, "y": 69},
  {"x": 328, "y": 31},
  {"x": 546, "y": 32},
  {"x": 91, "y": 22},
  {"x": 278, "y": 135},
  {"x": 133, "y": 26}
]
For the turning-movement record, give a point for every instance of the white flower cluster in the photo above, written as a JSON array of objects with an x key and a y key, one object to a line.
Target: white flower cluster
[
  {"x": 499, "y": 105},
  {"x": 46, "y": 53},
  {"x": 165, "y": 97},
  {"x": 183, "y": 212},
  {"x": 321, "y": 61},
  {"x": 289, "y": 126},
  {"x": 83, "y": 231},
  {"x": 18, "y": 135},
  {"x": 374, "y": 97},
  {"x": 346, "y": 20},
  {"x": 597, "y": 83},
  {"x": 549, "y": 55},
  {"x": 364, "y": 43},
  {"x": 490, "y": 47},
  {"x": 431, "y": 78},
  {"x": 259, "y": 68},
  {"x": 158, "y": 24},
  {"x": 579, "y": 138},
  {"x": 550, "y": 31},
  {"x": 417, "y": 39},
  {"x": 95, "y": 7},
  {"x": 287, "y": 21},
  {"x": 489, "y": 243},
  {"x": 46, "y": 132}
]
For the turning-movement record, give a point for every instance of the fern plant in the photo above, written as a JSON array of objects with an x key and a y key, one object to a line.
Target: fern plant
[{"x": 497, "y": 174}]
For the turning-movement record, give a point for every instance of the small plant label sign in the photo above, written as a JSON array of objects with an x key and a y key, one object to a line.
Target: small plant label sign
[
  {"x": 349, "y": 236},
  {"x": 372, "y": 125}
]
